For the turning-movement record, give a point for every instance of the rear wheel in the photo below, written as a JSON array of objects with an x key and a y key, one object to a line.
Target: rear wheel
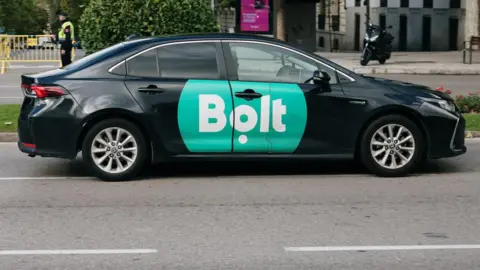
[
  {"x": 115, "y": 150},
  {"x": 392, "y": 146},
  {"x": 382, "y": 61}
]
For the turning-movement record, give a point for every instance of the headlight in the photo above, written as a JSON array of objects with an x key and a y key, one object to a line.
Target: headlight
[
  {"x": 444, "y": 104},
  {"x": 374, "y": 38}
]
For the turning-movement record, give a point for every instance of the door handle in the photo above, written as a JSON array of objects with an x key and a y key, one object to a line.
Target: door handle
[
  {"x": 248, "y": 94},
  {"x": 151, "y": 89}
]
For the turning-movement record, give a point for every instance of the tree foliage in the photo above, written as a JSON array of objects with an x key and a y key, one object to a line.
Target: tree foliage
[
  {"x": 107, "y": 22},
  {"x": 1, "y": 18},
  {"x": 74, "y": 8},
  {"x": 22, "y": 16},
  {"x": 227, "y": 3}
]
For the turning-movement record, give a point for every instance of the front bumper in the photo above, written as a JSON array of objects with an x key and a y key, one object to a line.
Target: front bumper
[{"x": 445, "y": 131}]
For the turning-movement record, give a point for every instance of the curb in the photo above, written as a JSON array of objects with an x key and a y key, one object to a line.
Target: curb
[
  {"x": 13, "y": 137},
  {"x": 8, "y": 137},
  {"x": 472, "y": 134}
]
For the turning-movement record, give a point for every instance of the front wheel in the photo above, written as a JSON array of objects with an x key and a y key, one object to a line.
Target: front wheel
[
  {"x": 115, "y": 150},
  {"x": 392, "y": 146},
  {"x": 366, "y": 56}
]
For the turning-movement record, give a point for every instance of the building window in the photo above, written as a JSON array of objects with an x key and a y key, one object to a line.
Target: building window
[
  {"x": 383, "y": 3},
  {"x": 321, "y": 42},
  {"x": 382, "y": 19},
  {"x": 404, "y": 3},
  {"x": 321, "y": 21},
  {"x": 335, "y": 23},
  {"x": 427, "y": 3},
  {"x": 455, "y": 3},
  {"x": 321, "y": 16},
  {"x": 357, "y": 3}
]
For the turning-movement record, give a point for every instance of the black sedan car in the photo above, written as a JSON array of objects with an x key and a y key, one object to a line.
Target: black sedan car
[{"x": 225, "y": 96}]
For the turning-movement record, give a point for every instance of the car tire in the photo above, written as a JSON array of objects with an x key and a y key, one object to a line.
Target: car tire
[
  {"x": 392, "y": 155},
  {"x": 125, "y": 159}
]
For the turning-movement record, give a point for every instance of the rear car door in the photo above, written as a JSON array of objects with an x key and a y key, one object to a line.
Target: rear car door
[
  {"x": 300, "y": 119},
  {"x": 183, "y": 90}
]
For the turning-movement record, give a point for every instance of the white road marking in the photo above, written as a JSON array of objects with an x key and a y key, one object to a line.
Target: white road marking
[
  {"x": 10, "y": 86},
  {"x": 381, "y": 248},
  {"x": 45, "y": 178},
  {"x": 76, "y": 251},
  {"x": 11, "y": 97}
]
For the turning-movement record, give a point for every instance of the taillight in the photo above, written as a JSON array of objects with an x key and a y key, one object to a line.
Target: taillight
[{"x": 41, "y": 91}]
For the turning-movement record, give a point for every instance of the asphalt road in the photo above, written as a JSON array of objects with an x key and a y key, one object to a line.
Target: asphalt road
[
  {"x": 239, "y": 216},
  {"x": 460, "y": 85}
]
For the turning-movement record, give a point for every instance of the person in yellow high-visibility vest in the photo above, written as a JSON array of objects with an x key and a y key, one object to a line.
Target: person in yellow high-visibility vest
[{"x": 65, "y": 37}]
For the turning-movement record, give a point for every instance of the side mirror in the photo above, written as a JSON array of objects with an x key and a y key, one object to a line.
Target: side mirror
[{"x": 321, "y": 77}]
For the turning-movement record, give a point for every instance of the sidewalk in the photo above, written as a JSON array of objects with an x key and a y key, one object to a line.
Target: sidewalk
[{"x": 424, "y": 63}]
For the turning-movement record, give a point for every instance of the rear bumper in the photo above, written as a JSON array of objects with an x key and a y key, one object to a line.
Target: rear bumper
[
  {"x": 27, "y": 148},
  {"x": 49, "y": 128}
]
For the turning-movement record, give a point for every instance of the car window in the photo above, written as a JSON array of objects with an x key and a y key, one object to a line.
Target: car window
[
  {"x": 143, "y": 65},
  {"x": 94, "y": 56},
  {"x": 263, "y": 62},
  {"x": 189, "y": 61}
]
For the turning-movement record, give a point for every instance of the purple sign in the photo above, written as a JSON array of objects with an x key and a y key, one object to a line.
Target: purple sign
[{"x": 254, "y": 15}]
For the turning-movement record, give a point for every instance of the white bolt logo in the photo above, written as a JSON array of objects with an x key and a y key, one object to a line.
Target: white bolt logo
[{"x": 218, "y": 113}]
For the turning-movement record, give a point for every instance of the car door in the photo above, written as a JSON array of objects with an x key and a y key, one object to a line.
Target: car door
[
  {"x": 251, "y": 100},
  {"x": 303, "y": 120},
  {"x": 184, "y": 92}
]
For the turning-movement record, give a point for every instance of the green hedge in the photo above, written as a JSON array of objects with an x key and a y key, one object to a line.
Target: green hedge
[{"x": 107, "y": 22}]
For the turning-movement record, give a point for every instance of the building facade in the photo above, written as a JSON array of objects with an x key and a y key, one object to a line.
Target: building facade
[
  {"x": 418, "y": 25},
  {"x": 331, "y": 24},
  {"x": 339, "y": 25},
  {"x": 472, "y": 22}
]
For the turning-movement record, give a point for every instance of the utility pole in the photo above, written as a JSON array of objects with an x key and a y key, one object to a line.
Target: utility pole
[
  {"x": 279, "y": 9},
  {"x": 330, "y": 26},
  {"x": 366, "y": 3}
]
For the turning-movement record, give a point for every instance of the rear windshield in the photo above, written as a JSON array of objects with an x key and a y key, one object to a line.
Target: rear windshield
[{"x": 100, "y": 54}]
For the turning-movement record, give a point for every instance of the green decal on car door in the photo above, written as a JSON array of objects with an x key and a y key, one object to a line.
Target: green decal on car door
[
  {"x": 201, "y": 116},
  {"x": 289, "y": 117},
  {"x": 274, "y": 121},
  {"x": 251, "y": 118}
]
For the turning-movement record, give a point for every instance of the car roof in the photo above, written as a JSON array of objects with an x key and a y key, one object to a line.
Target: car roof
[{"x": 203, "y": 36}]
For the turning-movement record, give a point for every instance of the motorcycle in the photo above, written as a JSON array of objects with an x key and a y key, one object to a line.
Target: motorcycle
[{"x": 377, "y": 44}]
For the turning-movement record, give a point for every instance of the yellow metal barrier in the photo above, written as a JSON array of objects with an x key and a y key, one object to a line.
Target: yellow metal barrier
[{"x": 28, "y": 49}]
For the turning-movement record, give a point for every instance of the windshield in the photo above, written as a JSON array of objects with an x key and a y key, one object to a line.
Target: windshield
[{"x": 92, "y": 56}]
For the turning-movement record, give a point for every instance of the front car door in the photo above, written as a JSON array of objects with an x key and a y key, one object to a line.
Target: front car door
[
  {"x": 301, "y": 119},
  {"x": 183, "y": 90}
]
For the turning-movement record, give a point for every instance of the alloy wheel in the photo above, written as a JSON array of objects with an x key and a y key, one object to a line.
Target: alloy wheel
[
  {"x": 392, "y": 146},
  {"x": 114, "y": 150}
]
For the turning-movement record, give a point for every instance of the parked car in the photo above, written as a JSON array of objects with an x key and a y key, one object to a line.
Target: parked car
[{"x": 229, "y": 96}]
